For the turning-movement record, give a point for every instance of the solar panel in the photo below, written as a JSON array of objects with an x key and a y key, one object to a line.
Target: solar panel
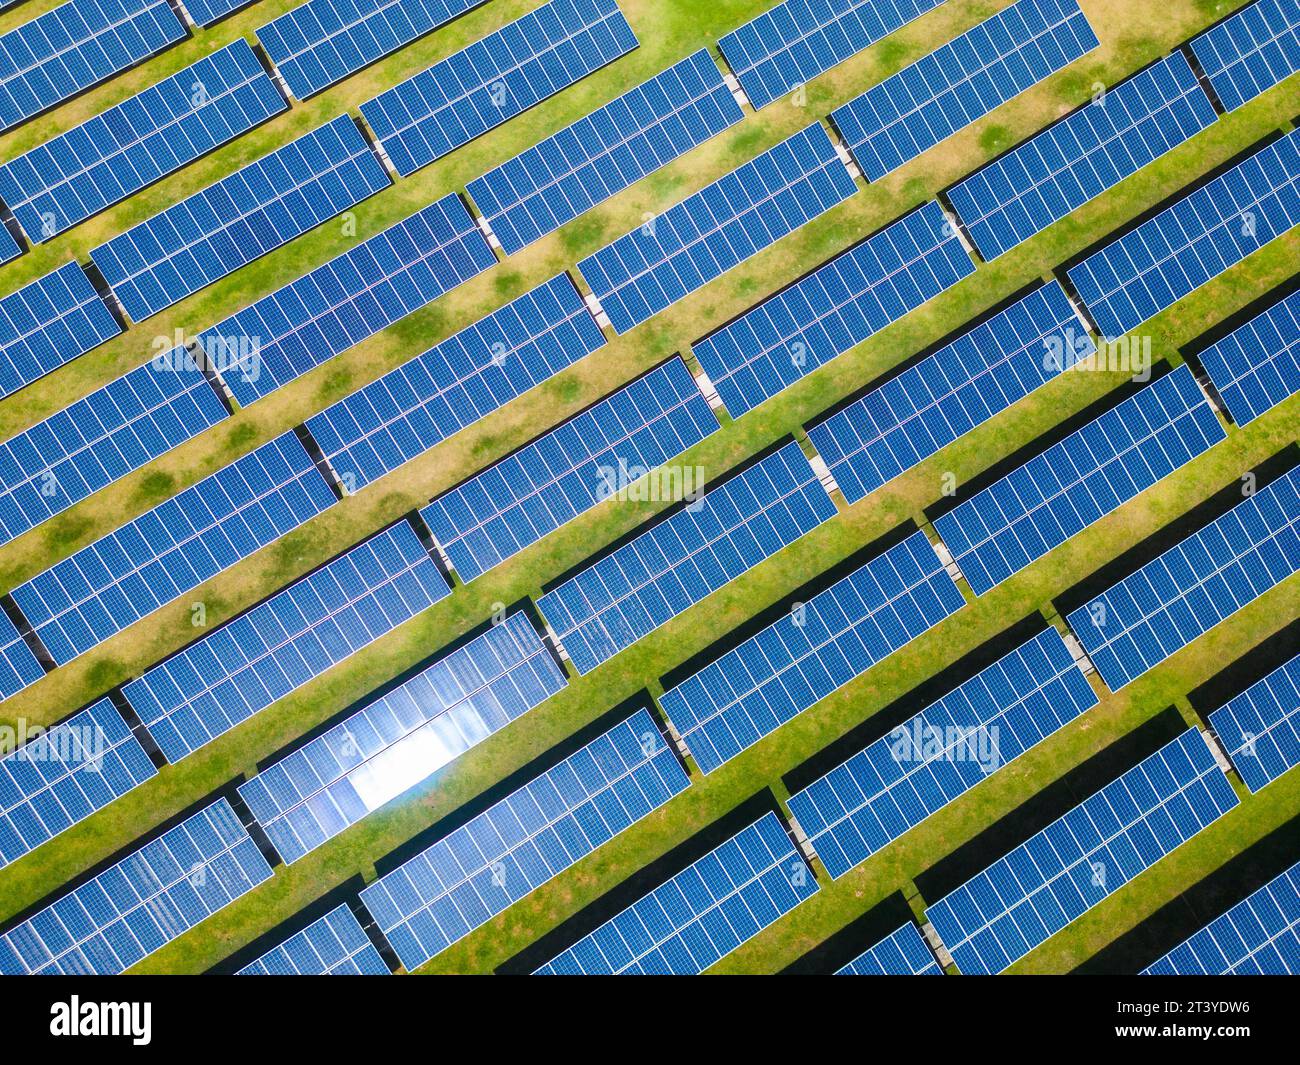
[
  {"x": 1257, "y": 366},
  {"x": 901, "y": 953},
  {"x": 504, "y": 74},
  {"x": 206, "y": 12},
  {"x": 797, "y": 40},
  {"x": 1024, "y": 898},
  {"x": 9, "y": 247},
  {"x": 1061, "y": 491},
  {"x": 152, "y": 896},
  {"x": 99, "y": 438},
  {"x": 815, "y": 649},
  {"x": 74, "y": 46},
  {"x": 838, "y": 305},
  {"x": 1260, "y": 728},
  {"x": 131, "y": 145},
  {"x": 18, "y": 666},
  {"x": 173, "y": 548},
  {"x": 700, "y": 915},
  {"x": 604, "y": 152},
  {"x": 535, "y": 833},
  {"x": 1080, "y": 157},
  {"x": 402, "y": 738},
  {"x": 497, "y": 513},
  {"x": 1166, "y": 604},
  {"x": 49, "y": 322},
  {"x": 1202, "y": 235},
  {"x": 1250, "y": 52},
  {"x": 928, "y": 101},
  {"x": 334, "y": 945},
  {"x": 258, "y": 208},
  {"x": 936, "y": 756},
  {"x": 455, "y": 383},
  {"x": 944, "y": 396},
  {"x": 719, "y": 227},
  {"x": 679, "y": 560}
]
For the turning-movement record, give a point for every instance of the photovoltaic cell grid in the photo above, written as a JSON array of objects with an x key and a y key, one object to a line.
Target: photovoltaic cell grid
[
  {"x": 798, "y": 660},
  {"x": 1206, "y": 232},
  {"x": 717, "y": 228},
  {"x": 119, "y": 152},
  {"x": 496, "y": 78},
  {"x": 242, "y": 217},
  {"x": 403, "y": 738},
  {"x": 1081, "y": 479},
  {"x": 18, "y": 665},
  {"x": 913, "y": 110},
  {"x": 526, "y": 839},
  {"x": 584, "y": 164},
  {"x": 1251, "y": 51},
  {"x": 901, "y": 953},
  {"x": 247, "y": 664},
  {"x": 680, "y": 560},
  {"x": 458, "y": 381},
  {"x": 700, "y": 915},
  {"x": 1080, "y": 157},
  {"x": 522, "y": 498},
  {"x": 334, "y": 945},
  {"x": 146, "y": 900},
  {"x": 1024, "y": 898},
  {"x": 173, "y": 548},
  {"x": 1183, "y": 593},
  {"x": 965, "y": 383},
  {"x": 838, "y": 305},
  {"x": 9, "y": 248},
  {"x": 895, "y": 783},
  {"x": 1260, "y": 728},
  {"x": 1257, "y": 366}
]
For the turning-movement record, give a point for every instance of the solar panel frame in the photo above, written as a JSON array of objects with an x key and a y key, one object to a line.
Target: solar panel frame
[
  {"x": 333, "y": 945},
  {"x": 18, "y": 664},
  {"x": 903, "y": 952},
  {"x": 1260, "y": 728},
  {"x": 1257, "y": 365},
  {"x": 1250, "y": 51}
]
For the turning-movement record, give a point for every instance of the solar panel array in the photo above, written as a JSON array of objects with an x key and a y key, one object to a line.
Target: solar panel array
[
  {"x": 9, "y": 247},
  {"x": 1197, "y": 583},
  {"x": 678, "y": 561},
  {"x": 604, "y": 152},
  {"x": 901, "y": 953},
  {"x": 1260, "y": 728},
  {"x": 899, "y": 118},
  {"x": 1060, "y": 873},
  {"x": 815, "y": 649},
  {"x": 1250, "y": 52},
  {"x": 1184, "y": 246},
  {"x": 717, "y": 228},
  {"x": 334, "y": 945},
  {"x": 18, "y": 665},
  {"x": 1257, "y": 366},
  {"x": 700, "y": 915},
  {"x": 146, "y": 900},
  {"x": 131, "y": 145},
  {"x": 497, "y": 513},
  {"x": 1078, "y": 481},
  {"x": 402, "y": 738},
  {"x": 838, "y": 305},
  {"x": 928, "y": 761},
  {"x": 534, "y": 834},
  {"x": 495, "y": 79},
  {"x": 258, "y": 208},
  {"x": 1080, "y": 157}
]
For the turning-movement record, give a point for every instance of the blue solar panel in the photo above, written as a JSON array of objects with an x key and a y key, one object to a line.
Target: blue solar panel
[
  {"x": 49, "y": 322},
  {"x": 1252, "y": 51},
  {"x": 1078, "y": 481},
  {"x": 1261, "y": 727},
  {"x": 901, "y": 953},
  {"x": 681, "y": 559},
  {"x": 402, "y": 738},
  {"x": 700, "y": 915},
  {"x": 18, "y": 666},
  {"x": 131, "y": 145},
  {"x": 930, "y": 760},
  {"x": 507, "y": 72},
  {"x": 526, "y": 839},
  {"x": 334, "y": 945},
  {"x": 9, "y": 247},
  {"x": 101, "y": 437},
  {"x": 142, "y": 903},
  {"x": 497, "y": 513},
  {"x": 1080, "y": 157},
  {"x": 606, "y": 151},
  {"x": 801, "y": 658},
  {"x": 242, "y": 217},
  {"x": 206, "y": 12},
  {"x": 1257, "y": 366},
  {"x": 289, "y": 639},
  {"x": 173, "y": 548},
  {"x": 797, "y": 40},
  {"x": 455, "y": 383},
  {"x": 1202, "y": 235},
  {"x": 717, "y": 228},
  {"x": 838, "y": 305},
  {"x": 944, "y": 396},
  {"x": 1142, "y": 620},
  {"x": 1060, "y": 873}
]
